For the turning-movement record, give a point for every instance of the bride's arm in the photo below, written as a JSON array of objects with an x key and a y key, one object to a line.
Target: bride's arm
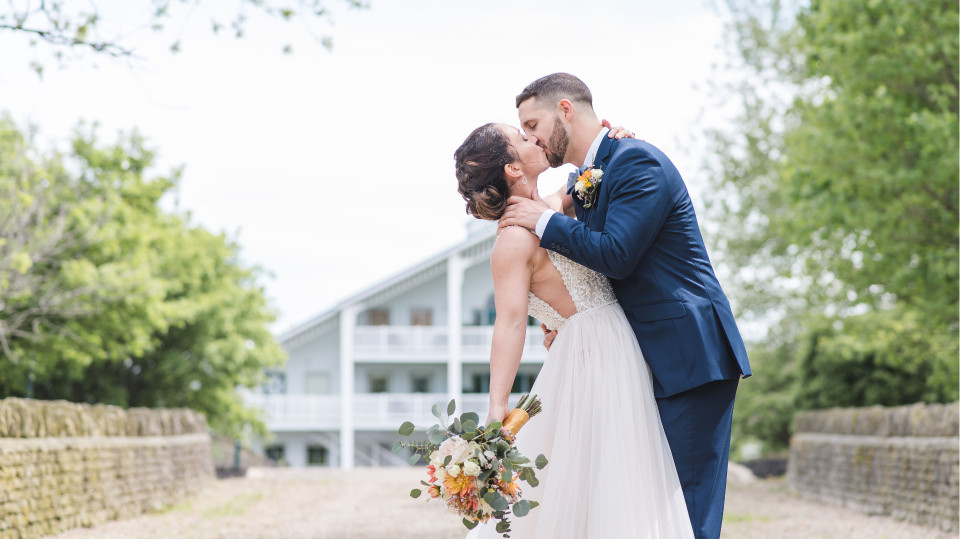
[
  {"x": 561, "y": 202},
  {"x": 511, "y": 264}
]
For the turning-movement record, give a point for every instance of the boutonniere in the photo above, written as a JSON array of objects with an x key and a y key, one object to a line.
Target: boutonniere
[{"x": 587, "y": 184}]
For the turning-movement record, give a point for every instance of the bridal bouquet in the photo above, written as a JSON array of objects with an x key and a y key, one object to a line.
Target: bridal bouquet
[{"x": 474, "y": 469}]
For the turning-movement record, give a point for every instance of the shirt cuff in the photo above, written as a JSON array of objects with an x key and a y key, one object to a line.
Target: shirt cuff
[{"x": 542, "y": 222}]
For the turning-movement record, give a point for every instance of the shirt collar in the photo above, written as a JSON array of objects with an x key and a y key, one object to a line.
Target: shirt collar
[{"x": 592, "y": 152}]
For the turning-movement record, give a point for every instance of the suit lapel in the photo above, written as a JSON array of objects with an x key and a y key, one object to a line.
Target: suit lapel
[{"x": 600, "y": 162}]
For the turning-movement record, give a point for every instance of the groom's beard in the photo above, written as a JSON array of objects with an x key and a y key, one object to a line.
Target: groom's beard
[{"x": 559, "y": 140}]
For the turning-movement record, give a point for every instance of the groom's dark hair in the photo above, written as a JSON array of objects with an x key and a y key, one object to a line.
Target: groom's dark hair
[{"x": 551, "y": 89}]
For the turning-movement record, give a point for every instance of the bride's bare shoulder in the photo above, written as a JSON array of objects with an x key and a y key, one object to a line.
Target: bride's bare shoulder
[{"x": 514, "y": 243}]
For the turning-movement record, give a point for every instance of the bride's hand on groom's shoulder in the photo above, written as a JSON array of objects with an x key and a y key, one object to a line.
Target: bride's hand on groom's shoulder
[{"x": 617, "y": 132}]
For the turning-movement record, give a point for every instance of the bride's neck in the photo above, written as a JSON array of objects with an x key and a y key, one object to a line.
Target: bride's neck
[{"x": 524, "y": 190}]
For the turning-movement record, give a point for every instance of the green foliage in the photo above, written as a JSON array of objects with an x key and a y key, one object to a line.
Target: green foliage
[
  {"x": 121, "y": 302},
  {"x": 838, "y": 199},
  {"x": 64, "y": 25}
]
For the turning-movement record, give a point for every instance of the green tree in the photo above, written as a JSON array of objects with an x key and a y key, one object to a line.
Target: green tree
[
  {"x": 71, "y": 26},
  {"x": 105, "y": 297},
  {"x": 838, "y": 199}
]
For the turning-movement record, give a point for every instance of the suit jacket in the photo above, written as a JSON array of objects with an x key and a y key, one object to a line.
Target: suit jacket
[{"x": 643, "y": 234}]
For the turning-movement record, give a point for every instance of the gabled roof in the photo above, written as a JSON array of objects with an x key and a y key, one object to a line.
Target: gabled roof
[{"x": 475, "y": 247}]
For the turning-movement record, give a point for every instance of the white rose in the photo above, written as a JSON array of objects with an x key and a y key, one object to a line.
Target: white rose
[
  {"x": 453, "y": 447},
  {"x": 580, "y": 186},
  {"x": 596, "y": 174},
  {"x": 470, "y": 468},
  {"x": 453, "y": 470}
]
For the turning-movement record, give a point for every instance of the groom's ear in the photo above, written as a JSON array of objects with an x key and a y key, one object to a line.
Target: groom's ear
[{"x": 565, "y": 109}]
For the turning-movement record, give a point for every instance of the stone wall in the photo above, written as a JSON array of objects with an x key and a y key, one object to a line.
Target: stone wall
[
  {"x": 899, "y": 461},
  {"x": 66, "y": 465}
]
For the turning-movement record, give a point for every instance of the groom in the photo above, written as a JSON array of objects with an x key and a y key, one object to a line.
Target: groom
[{"x": 638, "y": 228}]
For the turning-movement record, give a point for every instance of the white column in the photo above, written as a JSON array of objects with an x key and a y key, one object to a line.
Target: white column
[
  {"x": 348, "y": 323},
  {"x": 455, "y": 268}
]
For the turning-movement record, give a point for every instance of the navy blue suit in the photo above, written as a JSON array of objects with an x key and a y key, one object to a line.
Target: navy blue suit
[{"x": 643, "y": 234}]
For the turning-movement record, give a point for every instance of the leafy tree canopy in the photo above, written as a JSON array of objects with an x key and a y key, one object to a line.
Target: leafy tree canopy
[
  {"x": 105, "y": 297},
  {"x": 65, "y": 26},
  {"x": 838, "y": 199}
]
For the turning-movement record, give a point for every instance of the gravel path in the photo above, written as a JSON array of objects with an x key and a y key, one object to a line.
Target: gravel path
[{"x": 373, "y": 503}]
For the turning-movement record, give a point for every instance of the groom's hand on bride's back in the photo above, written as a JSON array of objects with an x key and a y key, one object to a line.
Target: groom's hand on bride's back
[{"x": 548, "y": 336}]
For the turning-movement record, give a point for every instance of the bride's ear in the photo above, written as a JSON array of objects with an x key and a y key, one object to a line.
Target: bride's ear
[{"x": 512, "y": 170}]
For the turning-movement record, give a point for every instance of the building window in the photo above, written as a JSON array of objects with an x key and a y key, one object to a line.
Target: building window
[
  {"x": 317, "y": 382},
  {"x": 479, "y": 384},
  {"x": 378, "y": 384},
  {"x": 523, "y": 382},
  {"x": 421, "y": 317},
  {"x": 379, "y": 317},
  {"x": 276, "y": 383},
  {"x": 491, "y": 310},
  {"x": 275, "y": 454},
  {"x": 317, "y": 455},
  {"x": 420, "y": 384}
]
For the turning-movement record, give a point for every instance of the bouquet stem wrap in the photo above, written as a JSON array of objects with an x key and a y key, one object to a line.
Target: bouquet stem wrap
[
  {"x": 514, "y": 421},
  {"x": 527, "y": 406}
]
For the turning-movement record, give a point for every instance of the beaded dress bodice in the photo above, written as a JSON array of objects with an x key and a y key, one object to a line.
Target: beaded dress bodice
[{"x": 588, "y": 290}]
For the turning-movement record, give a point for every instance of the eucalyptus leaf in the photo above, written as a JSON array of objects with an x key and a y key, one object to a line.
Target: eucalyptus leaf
[
  {"x": 521, "y": 508},
  {"x": 532, "y": 480},
  {"x": 435, "y": 435},
  {"x": 396, "y": 448},
  {"x": 503, "y": 526},
  {"x": 494, "y": 426},
  {"x": 472, "y": 416},
  {"x": 415, "y": 493},
  {"x": 470, "y": 524},
  {"x": 406, "y": 429},
  {"x": 437, "y": 410},
  {"x": 534, "y": 504},
  {"x": 541, "y": 461},
  {"x": 451, "y": 407},
  {"x": 414, "y": 459},
  {"x": 470, "y": 426},
  {"x": 447, "y": 460},
  {"x": 499, "y": 502}
]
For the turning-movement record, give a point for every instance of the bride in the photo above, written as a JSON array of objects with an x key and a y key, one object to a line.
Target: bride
[{"x": 610, "y": 471}]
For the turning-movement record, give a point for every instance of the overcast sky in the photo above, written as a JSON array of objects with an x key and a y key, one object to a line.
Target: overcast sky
[{"x": 334, "y": 170}]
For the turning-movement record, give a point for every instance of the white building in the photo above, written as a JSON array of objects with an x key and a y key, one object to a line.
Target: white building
[{"x": 386, "y": 355}]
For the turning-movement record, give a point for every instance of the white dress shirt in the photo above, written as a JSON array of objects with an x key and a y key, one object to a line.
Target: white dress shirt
[{"x": 587, "y": 162}]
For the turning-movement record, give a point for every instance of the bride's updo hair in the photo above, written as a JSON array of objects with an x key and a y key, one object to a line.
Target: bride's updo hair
[{"x": 480, "y": 179}]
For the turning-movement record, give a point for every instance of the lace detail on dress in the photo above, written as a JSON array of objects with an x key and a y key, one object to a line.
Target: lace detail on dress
[
  {"x": 544, "y": 312},
  {"x": 588, "y": 289}
]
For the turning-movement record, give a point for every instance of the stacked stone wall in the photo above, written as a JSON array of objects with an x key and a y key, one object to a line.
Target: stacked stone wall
[
  {"x": 898, "y": 461},
  {"x": 66, "y": 465}
]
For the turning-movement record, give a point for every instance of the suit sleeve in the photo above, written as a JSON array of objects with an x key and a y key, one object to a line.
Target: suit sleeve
[{"x": 638, "y": 206}]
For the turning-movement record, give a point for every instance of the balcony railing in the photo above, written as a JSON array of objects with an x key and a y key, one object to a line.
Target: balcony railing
[
  {"x": 433, "y": 343},
  {"x": 305, "y": 412}
]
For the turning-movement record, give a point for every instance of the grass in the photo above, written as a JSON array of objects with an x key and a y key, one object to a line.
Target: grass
[{"x": 236, "y": 506}]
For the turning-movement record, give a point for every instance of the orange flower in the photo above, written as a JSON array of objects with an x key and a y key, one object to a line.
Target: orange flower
[
  {"x": 458, "y": 485},
  {"x": 432, "y": 471},
  {"x": 434, "y": 491},
  {"x": 511, "y": 489}
]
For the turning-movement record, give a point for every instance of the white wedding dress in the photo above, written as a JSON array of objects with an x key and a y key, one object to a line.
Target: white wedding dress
[{"x": 610, "y": 471}]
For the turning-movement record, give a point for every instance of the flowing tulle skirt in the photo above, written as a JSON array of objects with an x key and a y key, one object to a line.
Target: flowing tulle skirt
[{"x": 610, "y": 472}]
